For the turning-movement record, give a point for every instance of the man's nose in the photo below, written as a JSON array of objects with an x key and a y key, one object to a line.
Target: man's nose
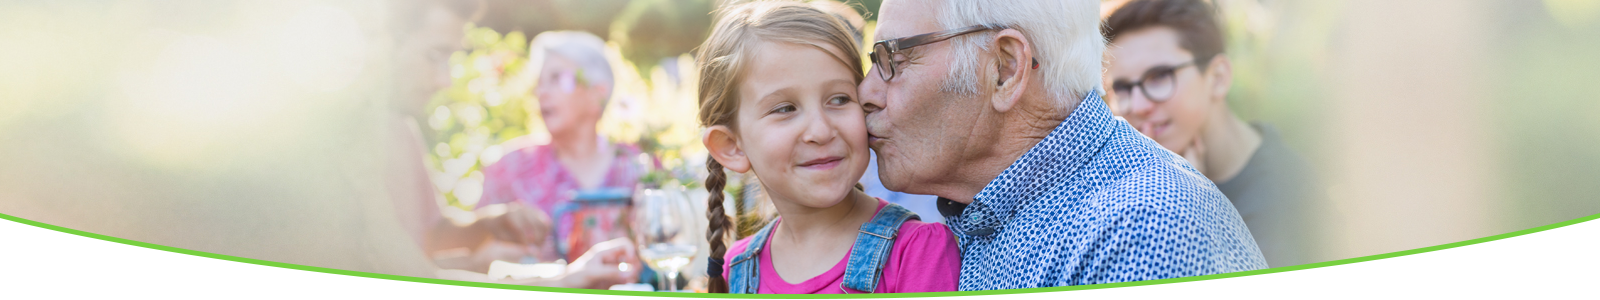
[
  {"x": 542, "y": 93},
  {"x": 871, "y": 92}
]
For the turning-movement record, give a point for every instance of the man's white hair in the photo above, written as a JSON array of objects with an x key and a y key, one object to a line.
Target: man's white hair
[
  {"x": 1065, "y": 35},
  {"x": 582, "y": 48}
]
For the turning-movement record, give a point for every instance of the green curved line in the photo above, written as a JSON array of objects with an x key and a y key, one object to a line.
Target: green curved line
[{"x": 684, "y": 295}]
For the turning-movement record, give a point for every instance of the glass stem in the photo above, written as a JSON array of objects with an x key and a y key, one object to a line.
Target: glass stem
[
  {"x": 672, "y": 281},
  {"x": 660, "y": 280}
]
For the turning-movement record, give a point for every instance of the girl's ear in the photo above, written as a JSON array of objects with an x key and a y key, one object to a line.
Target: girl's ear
[{"x": 725, "y": 148}]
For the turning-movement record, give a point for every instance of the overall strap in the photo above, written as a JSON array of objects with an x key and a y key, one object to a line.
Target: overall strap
[
  {"x": 871, "y": 250},
  {"x": 744, "y": 272}
]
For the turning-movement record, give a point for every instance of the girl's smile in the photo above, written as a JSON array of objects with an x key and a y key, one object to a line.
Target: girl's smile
[{"x": 822, "y": 164}]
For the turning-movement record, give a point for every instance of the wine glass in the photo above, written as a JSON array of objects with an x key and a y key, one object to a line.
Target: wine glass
[{"x": 664, "y": 229}]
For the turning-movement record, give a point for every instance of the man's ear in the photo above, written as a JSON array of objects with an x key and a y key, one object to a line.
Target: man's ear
[
  {"x": 725, "y": 148},
  {"x": 1221, "y": 72},
  {"x": 1013, "y": 66}
]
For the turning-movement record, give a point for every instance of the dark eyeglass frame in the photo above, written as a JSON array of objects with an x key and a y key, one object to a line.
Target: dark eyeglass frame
[
  {"x": 882, "y": 54},
  {"x": 1148, "y": 74}
]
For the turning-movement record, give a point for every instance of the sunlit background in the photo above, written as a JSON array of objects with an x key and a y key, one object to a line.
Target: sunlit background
[{"x": 250, "y": 128}]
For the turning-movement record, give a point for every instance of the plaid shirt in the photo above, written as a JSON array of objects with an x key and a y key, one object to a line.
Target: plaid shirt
[{"x": 1096, "y": 202}]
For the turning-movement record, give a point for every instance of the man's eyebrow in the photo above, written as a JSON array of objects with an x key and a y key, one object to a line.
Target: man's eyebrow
[{"x": 878, "y": 34}]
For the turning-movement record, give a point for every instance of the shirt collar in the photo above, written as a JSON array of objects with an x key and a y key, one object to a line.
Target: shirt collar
[{"x": 1049, "y": 163}]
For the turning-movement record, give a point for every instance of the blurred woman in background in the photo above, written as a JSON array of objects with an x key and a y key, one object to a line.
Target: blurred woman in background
[
  {"x": 574, "y": 85},
  {"x": 428, "y": 32}
]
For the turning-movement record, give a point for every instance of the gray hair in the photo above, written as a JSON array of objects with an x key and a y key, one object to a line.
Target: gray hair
[
  {"x": 1065, "y": 36},
  {"x": 583, "y": 48}
]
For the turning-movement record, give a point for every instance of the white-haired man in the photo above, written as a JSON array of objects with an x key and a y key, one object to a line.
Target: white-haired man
[{"x": 994, "y": 107}]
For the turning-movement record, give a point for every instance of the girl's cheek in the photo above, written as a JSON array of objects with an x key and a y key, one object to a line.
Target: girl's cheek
[
  {"x": 767, "y": 149},
  {"x": 852, "y": 125},
  {"x": 777, "y": 142}
]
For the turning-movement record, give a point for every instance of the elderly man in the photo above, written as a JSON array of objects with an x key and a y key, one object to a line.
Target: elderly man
[{"x": 993, "y": 106}]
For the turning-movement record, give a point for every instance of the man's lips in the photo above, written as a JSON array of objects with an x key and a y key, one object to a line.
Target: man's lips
[
  {"x": 873, "y": 139},
  {"x": 822, "y": 163}
]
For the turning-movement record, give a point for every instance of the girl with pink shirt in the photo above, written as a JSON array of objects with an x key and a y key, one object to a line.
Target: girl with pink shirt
[{"x": 778, "y": 98}]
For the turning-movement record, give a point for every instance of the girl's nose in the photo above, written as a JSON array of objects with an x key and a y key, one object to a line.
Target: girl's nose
[{"x": 819, "y": 130}]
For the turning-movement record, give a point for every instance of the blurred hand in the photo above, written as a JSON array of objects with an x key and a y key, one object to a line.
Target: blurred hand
[
  {"x": 603, "y": 266},
  {"x": 495, "y": 249},
  {"x": 517, "y": 223},
  {"x": 479, "y": 259}
]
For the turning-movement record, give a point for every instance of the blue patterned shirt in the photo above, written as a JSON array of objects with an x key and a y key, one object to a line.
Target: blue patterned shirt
[{"x": 1096, "y": 202}]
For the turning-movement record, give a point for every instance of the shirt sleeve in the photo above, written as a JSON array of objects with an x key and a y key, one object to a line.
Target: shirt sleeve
[
  {"x": 925, "y": 259},
  {"x": 1148, "y": 242},
  {"x": 498, "y": 179}
]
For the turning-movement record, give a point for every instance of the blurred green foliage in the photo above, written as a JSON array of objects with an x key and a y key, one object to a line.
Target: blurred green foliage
[
  {"x": 1539, "y": 109},
  {"x": 490, "y": 103},
  {"x": 1543, "y": 107},
  {"x": 484, "y": 106},
  {"x": 648, "y": 31}
]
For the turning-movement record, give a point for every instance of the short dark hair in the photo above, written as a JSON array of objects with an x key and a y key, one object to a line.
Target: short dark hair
[{"x": 1194, "y": 20}]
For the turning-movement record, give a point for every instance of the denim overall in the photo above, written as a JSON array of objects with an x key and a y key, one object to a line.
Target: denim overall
[{"x": 861, "y": 274}]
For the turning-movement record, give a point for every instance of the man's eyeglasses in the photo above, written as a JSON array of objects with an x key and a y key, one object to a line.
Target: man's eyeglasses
[
  {"x": 882, "y": 54},
  {"x": 1157, "y": 84}
]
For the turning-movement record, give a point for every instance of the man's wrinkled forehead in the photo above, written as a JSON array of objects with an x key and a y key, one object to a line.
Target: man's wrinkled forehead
[{"x": 903, "y": 18}]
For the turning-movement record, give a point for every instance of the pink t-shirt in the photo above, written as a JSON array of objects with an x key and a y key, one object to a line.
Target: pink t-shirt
[
  {"x": 532, "y": 175},
  {"x": 924, "y": 258}
]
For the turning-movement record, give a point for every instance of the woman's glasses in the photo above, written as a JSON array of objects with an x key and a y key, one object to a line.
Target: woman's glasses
[{"x": 565, "y": 81}]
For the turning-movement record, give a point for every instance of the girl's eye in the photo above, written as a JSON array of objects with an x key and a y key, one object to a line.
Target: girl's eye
[
  {"x": 839, "y": 100},
  {"x": 786, "y": 108}
]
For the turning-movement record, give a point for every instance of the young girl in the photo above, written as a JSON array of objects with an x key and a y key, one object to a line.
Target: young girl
[{"x": 778, "y": 97}]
